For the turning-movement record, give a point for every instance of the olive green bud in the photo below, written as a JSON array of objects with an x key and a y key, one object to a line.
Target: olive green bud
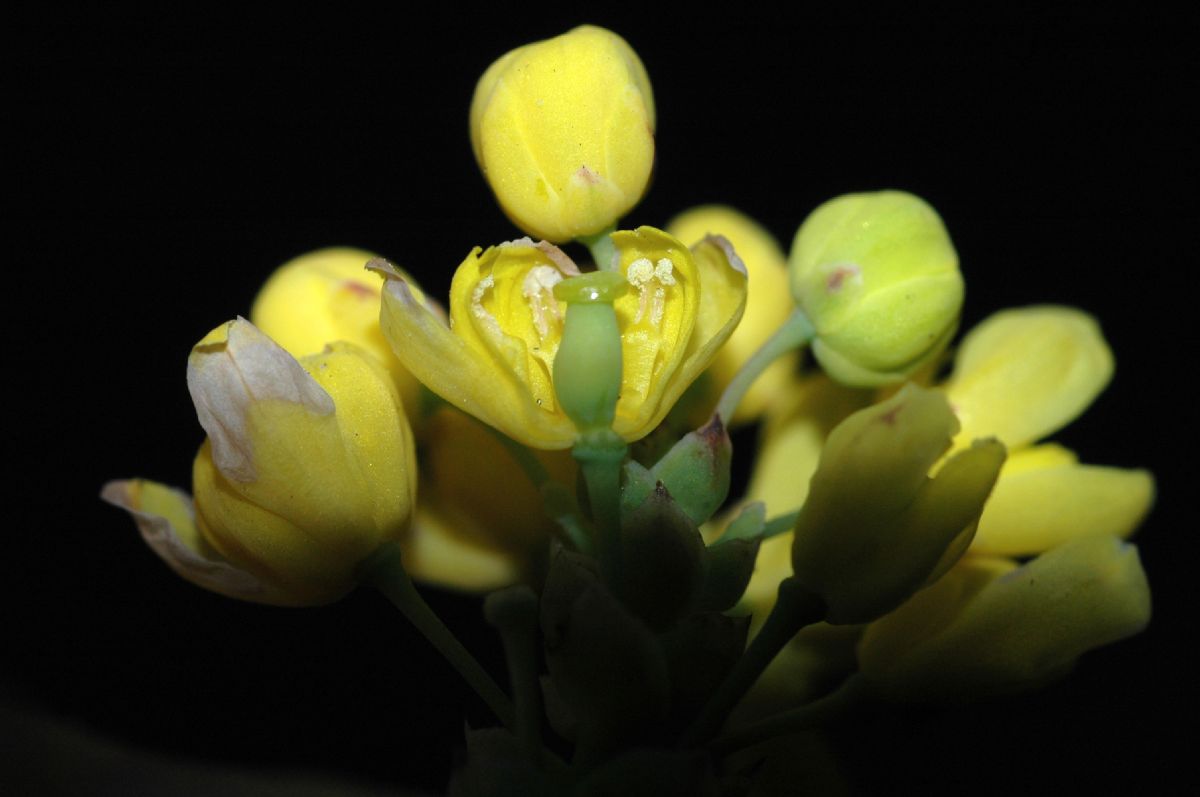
[{"x": 875, "y": 527}]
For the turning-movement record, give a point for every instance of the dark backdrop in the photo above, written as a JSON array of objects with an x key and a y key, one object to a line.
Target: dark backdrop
[{"x": 165, "y": 165}]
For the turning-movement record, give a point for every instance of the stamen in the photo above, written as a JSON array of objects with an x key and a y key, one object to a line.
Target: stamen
[
  {"x": 538, "y": 290},
  {"x": 640, "y": 273},
  {"x": 477, "y": 308}
]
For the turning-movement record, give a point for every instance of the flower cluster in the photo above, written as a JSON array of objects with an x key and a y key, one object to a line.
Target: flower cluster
[{"x": 560, "y": 435}]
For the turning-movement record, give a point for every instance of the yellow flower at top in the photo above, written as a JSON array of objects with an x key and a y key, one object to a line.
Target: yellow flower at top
[
  {"x": 496, "y": 359},
  {"x": 563, "y": 130}
]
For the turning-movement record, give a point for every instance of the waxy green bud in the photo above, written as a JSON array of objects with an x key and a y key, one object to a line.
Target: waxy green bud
[{"x": 878, "y": 277}]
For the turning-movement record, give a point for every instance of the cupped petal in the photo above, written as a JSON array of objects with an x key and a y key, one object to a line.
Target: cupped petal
[
  {"x": 1042, "y": 503},
  {"x": 656, "y": 316},
  {"x": 233, "y": 370},
  {"x": 459, "y": 366},
  {"x": 1024, "y": 373},
  {"x": 674, "y": 322},
  {"x": 166, "y": 519}
]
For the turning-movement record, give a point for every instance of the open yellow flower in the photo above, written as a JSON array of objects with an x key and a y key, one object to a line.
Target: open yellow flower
[
  {"x": 496, "y": 359},
  {"x": 308, "y": 468}
]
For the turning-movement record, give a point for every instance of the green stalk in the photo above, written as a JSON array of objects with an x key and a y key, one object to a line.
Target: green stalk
[
  {"x": 796, "y": 608},
  {"x": 601, "y": 247},
  {"x": 795, "y": 332},
  {"x": 556, "y": 500},
  {"x": 851, "y": 695},
  {"x": 385, "y": 571},
  {"x": 600, "y": 455}
]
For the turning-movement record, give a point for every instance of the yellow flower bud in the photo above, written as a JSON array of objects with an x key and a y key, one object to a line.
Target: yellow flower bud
[
  {"x": 325, "y": 296},
  {"x": 563, "y": 130},
  {"x": 990, "y": 627},
  {"x": 878, "y": 277},
  {"x": 768, "y": 302},
  {"x": 309, "y": 466},
  {"x": 496, "y": 361},
  {"x": 875, "y": 527}
]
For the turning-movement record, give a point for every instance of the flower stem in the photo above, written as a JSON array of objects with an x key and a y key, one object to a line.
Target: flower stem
[
  {"x": 780, "y": 524},
  {"x": 602, "y": 248},
  {"x": 796, "y": 608},
  {"x": 556, "y": 500},
  {"x": 600, "y": 454},
  {"x": 852, "y": 694},
  {"x": 795, "y": 332},
  {"x": 514, "y": 613},
  {"x": 385, "y": 571}
]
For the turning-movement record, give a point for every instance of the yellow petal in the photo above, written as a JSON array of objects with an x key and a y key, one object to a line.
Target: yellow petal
[
  {"x": 481, "y": 524},
  {"x": 768, "y": 300},
  {"x": 478, "y": 367},
  {"x": 326, "y": 296},
  {"x": 989, "y": 628},
  {"x": 1039, "y": 506},
  {"x": 166, "y": 519},
  {"x": 1024, "y": 373},
  {"x": 657, "y": 317}
]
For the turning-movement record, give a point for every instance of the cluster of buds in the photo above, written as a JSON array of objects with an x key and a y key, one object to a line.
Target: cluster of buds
[{"x": 563, "y": 427}]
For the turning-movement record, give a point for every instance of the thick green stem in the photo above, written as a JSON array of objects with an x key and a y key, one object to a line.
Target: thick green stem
[
  {"x": 850, "y": 696},
  {"x": 796, "y": 608},
  {"x": 602, "y": 248},
  {"x": 600, "y": 455},
  {"x": 795, "y": 332},
  {"x": 385, "y": 571}
]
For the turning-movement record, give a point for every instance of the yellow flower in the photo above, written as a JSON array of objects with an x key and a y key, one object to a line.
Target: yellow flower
[
  {"x": 768, "y": 302},
  {"x": 1021, "y": 375},
  {"x": 878, "y": 277},
  {"x": 875, "y": 527},
  {"x": 990, "y": 626},
  {"x": 467, "y": 533},
  {"x": 308, "y": 467},
  {"x": 563, "y": 130},
  {"x": 496, "y": 359},
  {"x": 325, "y": 296}
]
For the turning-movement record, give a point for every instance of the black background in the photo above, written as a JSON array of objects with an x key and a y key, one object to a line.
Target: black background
[{"x": 166, "y": 165}]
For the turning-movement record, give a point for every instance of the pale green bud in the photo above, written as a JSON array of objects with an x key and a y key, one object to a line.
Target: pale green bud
[
  {"x": 875, "y": 527},
  {"x": 878, "y": 277}
]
